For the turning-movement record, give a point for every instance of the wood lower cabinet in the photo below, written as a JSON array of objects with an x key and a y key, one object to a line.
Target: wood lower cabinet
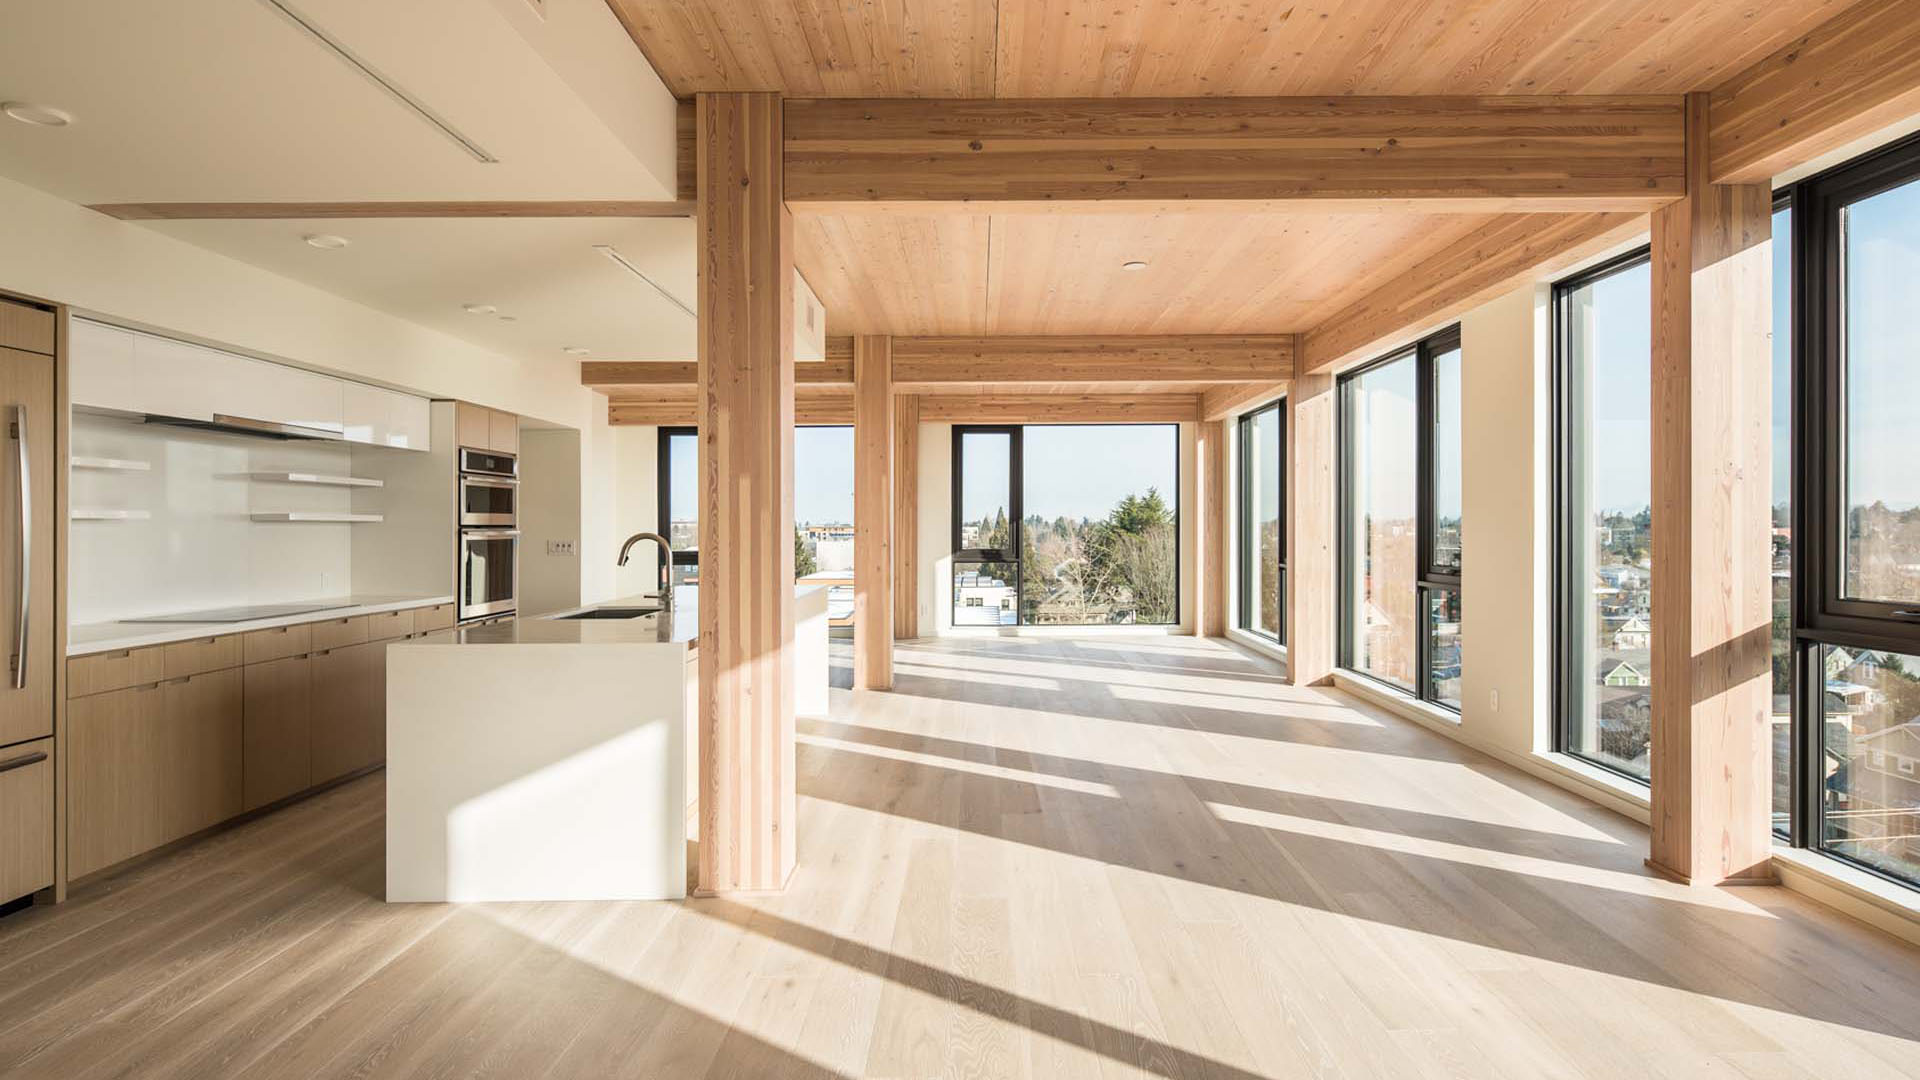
[
  {"x": 165, "y": 741},
  {"x": 277, "y": 730},
  {"x": 201, "y": 758},
  {"x": 26, "y": 818},
  {"x": 349, "y": 729}
]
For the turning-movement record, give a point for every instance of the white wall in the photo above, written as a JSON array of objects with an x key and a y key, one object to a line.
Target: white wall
[
  {"x": 120, "y": 272},
  {"x": 1506, "y": 503},
  {"x": 635, "y": 508},
  {"x": 549, "y": 512}
]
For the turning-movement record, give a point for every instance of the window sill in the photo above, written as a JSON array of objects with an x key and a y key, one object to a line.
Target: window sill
[
  {"x": 1872, "y": 899},
  {"x": 1610, "y": 787},
  {"x": 1264, "y": 646},
  {"x": 1395, "y": 701}
]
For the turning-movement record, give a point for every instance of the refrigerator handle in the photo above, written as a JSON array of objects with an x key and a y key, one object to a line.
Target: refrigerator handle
[{"x": 25, "y": 549}]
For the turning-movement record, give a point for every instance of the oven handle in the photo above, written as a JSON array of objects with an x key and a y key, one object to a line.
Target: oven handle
[
  {"x": 488, "y": 534},
  {"x": 472, "y": 480}
]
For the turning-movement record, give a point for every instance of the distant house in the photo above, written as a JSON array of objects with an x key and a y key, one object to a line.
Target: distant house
[
  {"x": 1625, "y": 674},
  {"x": 1634, "y": 634},
  {"x": 1894, "y": 751}
]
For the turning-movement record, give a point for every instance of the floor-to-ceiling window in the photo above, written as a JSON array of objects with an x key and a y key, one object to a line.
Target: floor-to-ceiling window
[
  {"x": 1855, "y": 753},
  {"x": 1604, "y": 486},
  {"x": 1261, "y": 539},
  {"x": 1400, "y": 549},
  {"x": 823, "y": 515},
  {"x": 1066, "y": 525},
  {"x": 1782, "y": 518},
  {"x": 679, "y": 509}
]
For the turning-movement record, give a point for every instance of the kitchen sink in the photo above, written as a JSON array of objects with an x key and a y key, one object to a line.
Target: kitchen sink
[{"x": 611, "y": 613}]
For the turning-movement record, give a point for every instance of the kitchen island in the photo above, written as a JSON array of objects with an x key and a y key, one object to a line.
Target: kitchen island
[{"x": 555, "y": 758}]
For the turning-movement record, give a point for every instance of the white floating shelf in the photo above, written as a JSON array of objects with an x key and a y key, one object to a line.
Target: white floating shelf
[
  {"x": 316, "y": 478},
  {"x": 314, "y": 515},
  {"x": 117, "y": 464},
  {"x": 98, "y": 514}
]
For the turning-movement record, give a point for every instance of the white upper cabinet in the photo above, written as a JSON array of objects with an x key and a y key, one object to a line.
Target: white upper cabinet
[{"x": 131, "y": 372}]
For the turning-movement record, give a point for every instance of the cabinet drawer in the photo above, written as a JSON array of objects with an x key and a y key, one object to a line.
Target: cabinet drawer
[
  {"x": 115, "y": 670},
  {"x": 437, "y": 617},
  {"x": 26, "y": 819},
  {"x": 202, "y": 655},
  {"x": 27, "y": 328},
  {"x": 339, "y": 633},
  {"x": 259, "y": 646},
  {"x": 388, "y": 625}
]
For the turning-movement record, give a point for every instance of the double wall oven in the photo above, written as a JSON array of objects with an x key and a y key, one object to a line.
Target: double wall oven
[{"x": 489, "y": 534}]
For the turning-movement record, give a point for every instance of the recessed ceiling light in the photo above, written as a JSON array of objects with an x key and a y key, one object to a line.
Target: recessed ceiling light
[
  {"x": 326, "y": 241},
  {"x": 575, "y": 350},
  {"x": 509, "y": 318},
  {"x": 1134, "y": 264},
  {"x": 478, "y": 309},
  {"x": 39, "y": 115}
]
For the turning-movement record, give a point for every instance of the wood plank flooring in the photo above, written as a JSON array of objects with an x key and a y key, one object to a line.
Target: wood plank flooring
[{"x": 1051, "y": 858}]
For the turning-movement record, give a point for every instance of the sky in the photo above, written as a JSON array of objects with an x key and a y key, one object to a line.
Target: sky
[
  {"x": 1072, "y": 471},
  {"x": 822, "y": 476},
  {"x": 1883, "y": 347}
]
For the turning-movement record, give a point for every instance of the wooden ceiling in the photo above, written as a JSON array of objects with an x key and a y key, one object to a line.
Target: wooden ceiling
[
  {"x": 1208, "y": 271},
  {"x": 1180, "y": 48}
]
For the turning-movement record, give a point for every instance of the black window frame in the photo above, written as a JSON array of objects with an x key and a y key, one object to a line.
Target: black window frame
[
  {"x": 1428, "y": 579},
  {"x": 1016, "y": 509},
  {"x": 1246, "y": 498},
  {"x": 1823, "y": 616},
  {"x": 663, "y": 487},
  {"x": 1565, "y": 531}
]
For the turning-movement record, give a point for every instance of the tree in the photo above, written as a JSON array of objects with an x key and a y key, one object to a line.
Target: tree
[
  {"x": 803, "y": 561},
  {"x": 1130, "y": 557}
]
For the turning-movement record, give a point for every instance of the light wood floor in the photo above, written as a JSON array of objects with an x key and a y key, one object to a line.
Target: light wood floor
[{"x": 1089, "y": 858}]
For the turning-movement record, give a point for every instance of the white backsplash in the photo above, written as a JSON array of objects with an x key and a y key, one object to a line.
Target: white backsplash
[{"x": 200, "y": 548}]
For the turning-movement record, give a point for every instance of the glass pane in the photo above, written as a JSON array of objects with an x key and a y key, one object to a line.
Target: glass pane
[
  {"x": 1870, "y": 773},
  {"x": 823, "y": 516},
  {"x": 683, "y": 484},
  {"x": 985, "y": 594},
  {"x": 1609, "y": 519},
  {"x": 1446, "y": 461},
  {"x": 986, "y": 479},
  {"x": 1782, "y": 519},
  {"x": 1443, "y": 645},
  {"x": 1260, "y": 531},
  {"x": 1381, "y": 504},
  {"x": 1880, "y": 236},
  {"x": 1098, "y": 535}
]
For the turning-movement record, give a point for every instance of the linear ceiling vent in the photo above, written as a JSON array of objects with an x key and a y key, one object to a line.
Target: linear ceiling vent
[
  {"x": 613, "y": 253},
  {"x": 415, "y": 104}
]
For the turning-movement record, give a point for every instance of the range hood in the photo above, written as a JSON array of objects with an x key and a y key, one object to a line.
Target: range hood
[{"x": 244, "y": 425}]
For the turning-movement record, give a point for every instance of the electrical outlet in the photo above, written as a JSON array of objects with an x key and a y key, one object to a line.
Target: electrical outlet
[
  {"x": 562, "y": 548},
  {"x": 1493, "y": 701}
]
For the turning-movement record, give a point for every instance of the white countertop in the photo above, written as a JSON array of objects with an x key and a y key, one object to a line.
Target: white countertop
[
  {"x": 108, "y": 637},
  {"x": 642, "y": 630}
]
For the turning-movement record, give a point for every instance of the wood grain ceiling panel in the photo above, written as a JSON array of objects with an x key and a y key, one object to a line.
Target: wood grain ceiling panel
[
  {"x": 1174, "y": 48},
  {"x": 1207, "y": 272}
]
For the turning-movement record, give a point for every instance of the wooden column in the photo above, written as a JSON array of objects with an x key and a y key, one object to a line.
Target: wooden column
[
  {"x": 1213, "y": 527},
  {"x": 872, "y": 512},
  {"x": 1712, "y": 557},
  {"x": 747, "y": 803},
  {"x": 906, "y": 516},
  {"x": 1312, "y": 532}
]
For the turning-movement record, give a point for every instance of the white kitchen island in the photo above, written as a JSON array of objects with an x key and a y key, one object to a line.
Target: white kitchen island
[{"x": 553, "y": 759}]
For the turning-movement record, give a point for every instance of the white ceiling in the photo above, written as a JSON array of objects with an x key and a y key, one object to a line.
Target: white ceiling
[
  {"x": 542, "y": 271},
  {"x": 231, "y": 101}
]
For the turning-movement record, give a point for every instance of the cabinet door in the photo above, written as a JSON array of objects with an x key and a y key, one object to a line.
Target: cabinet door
[
  {"x": 348, "y": 734},
  {"x": 472, "y": 426},
  {"x": 100, "y": 366},
  {"x": 410, "y": 422},
  {"x": 366, "y": 410},
  {"x": 26, "y": 517},
  {"x": 503, "y": 432},
  {"x": 276, "y": 730},
  {"x": 26, "y": 819},
  {"x": 199, "y": 762},
  {"x": 114, "y": 793}
]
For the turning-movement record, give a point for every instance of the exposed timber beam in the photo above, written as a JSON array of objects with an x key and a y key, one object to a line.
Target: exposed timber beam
[
  {"x": 930, "y": 364},
  {"x": 1534, "y": 153},
  {"x": 873, "y": 446},
  {"x": 1223, "y": 401},
  {"x": 680, "y": 405},
  {"x": 271, "y": 211},
  {"x": 1060, "y": 408},
  {"x": 1850, "y": 76},
  {"x": 1510, "y": 250},
  {"x": 936, "y": 365}
]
